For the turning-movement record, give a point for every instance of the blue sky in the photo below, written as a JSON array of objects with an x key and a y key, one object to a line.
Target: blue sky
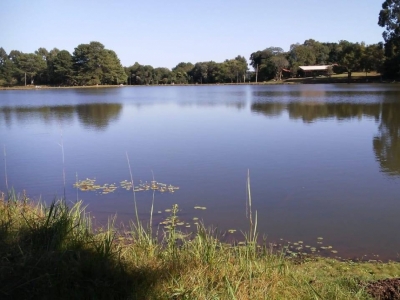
[{"x": 164, "y": 33}]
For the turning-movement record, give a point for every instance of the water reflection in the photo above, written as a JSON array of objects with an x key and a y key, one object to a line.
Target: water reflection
[
  {"x": 313, "y": 111},
  {"x": 316, "y": 154},
  {"x": 97, "y": 116},
  {"x": 386, "y": 144}
]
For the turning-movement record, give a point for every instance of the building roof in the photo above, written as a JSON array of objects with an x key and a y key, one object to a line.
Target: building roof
[{"x": 315, "y": 68}]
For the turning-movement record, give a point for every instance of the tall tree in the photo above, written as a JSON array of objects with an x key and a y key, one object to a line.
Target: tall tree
[
  {"x": 389, "y": 18},
  {"x": 372, "y": 58},
  {"x": 42, "y": 75},
  {"x": 50, "y": 64},
  {"x": 7, "y": 69},
  {"x": 96, "y": 65},
  {"x": 31, "y": 64},
  {"x": 280, "y": 62},
  {"x": 334, "y": 50},
  {"x": 63, "y": 68},
  {"x": 200, "y": 72},
  {"x": 262, "y": 62},
  {"x": 181, "y": 72},
  {"x": 320, "y": 51},
  {"x": 350, "y": 56}
]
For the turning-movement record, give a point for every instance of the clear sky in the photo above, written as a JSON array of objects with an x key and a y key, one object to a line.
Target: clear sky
[{"x": 163, "y": 33}]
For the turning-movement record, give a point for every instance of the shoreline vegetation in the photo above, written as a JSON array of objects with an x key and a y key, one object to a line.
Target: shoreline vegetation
[
  {"x": 54, "y": 252},
  {"x": 92, "y": 64},
  {"x": 358, "y": 77}
]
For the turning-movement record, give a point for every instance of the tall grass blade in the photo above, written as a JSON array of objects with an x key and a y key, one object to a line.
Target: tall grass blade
[
  {"x": 5, "y": 166},
  {"x": 133, "y": 189},
  {"x": 151, "y": 210},
  {"x": 249, "y": 203},
  {"x": 63, "y": 159}
]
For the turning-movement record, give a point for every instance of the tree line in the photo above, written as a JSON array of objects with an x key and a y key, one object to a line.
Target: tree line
[
  {"x": 93, "y": 64},
  {"x": 89, "y": 64}
]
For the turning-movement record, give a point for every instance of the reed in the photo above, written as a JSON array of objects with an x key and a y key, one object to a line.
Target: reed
[
  {"x": 61, "y": 144},
  {"x": 133, "y": 189},
  {"x": 5, "y": 166}
]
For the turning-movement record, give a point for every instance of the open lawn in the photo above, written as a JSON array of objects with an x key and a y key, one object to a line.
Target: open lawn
[{"x": 356, "y": 77}]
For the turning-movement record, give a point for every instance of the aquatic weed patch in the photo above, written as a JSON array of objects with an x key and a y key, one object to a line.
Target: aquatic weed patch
[{"x": 88, "y": 185}]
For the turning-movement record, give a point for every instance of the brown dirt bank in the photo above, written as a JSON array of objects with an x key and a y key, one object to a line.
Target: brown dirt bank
[{"x": 385, "y": 289}]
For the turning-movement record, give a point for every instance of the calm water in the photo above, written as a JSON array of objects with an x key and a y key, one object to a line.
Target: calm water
[{"x": 324, "y": 160}]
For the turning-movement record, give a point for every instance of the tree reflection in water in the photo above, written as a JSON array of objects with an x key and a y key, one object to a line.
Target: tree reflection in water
[
  {"x": 386, "y": 144},
  {"x": 97, "y": 115}
]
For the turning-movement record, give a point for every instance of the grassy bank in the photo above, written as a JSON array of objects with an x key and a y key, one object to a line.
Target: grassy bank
[
  {"x": 54, "y": 253},
  {"x": 357, "y": 77},
  {"x": 39, "y": 87}
]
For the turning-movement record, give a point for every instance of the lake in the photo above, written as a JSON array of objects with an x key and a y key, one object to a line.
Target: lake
[{"x": 324, "y": 160}]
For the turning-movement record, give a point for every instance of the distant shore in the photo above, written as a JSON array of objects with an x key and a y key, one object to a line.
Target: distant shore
[{"x": 357, "y": 78}]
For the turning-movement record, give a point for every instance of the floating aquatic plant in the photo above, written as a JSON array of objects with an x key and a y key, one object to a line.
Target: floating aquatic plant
[
  {"x": 200, "y": 207},
  {"x": 89, "y": 185}
]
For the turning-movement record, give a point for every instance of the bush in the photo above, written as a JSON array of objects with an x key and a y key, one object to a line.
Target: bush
[{"x": 339, "y": 69}]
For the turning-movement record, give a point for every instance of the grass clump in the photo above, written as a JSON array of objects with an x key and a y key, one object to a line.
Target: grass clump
[{"x": 52, "y": 252}]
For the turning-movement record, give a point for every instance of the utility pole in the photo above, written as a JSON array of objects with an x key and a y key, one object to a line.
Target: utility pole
[
  {"x": 25, "y": 78},
  {"x": 237, "y": 77}
]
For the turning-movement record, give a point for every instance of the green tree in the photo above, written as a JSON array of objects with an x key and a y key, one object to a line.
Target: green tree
[
  {"x": 181, "y": 72},
  {"x": 301, "y": 55},
  {"x": 7, "y": 69},
  {"x": 31, "y": 64},
  {"x": 280, "y": 62},
  {"x": 334, "y": 50},
  {"x": 162, "y": 76},
  {"x": 42, "y": 75},
  {"x": 373, "y": 58},
  {"x": 113, "y": 72},
  {"x": 320, "y": 51},
  {"x": 262, "y": 62},
  {"x": 389, "y": 18},
  {"x": 50, "y": 65},
  {"x": 3, "y": 56},
  {"x": 350, "y": 56},
  {"x": 14, "y": 57},
  {"x": 96, "y": 65},
  {"x": 242, "y": 67},
  {"x": 140, "y": 74},
  {"x": 199, "y": 72},
  {"x": 62, "y": 66}
]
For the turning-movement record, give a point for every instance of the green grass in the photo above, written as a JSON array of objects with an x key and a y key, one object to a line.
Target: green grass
[
  {"x": 34, "y": 87},
  {"x": 356, "y": 77},
  {"x": 54, "y": 253}
]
